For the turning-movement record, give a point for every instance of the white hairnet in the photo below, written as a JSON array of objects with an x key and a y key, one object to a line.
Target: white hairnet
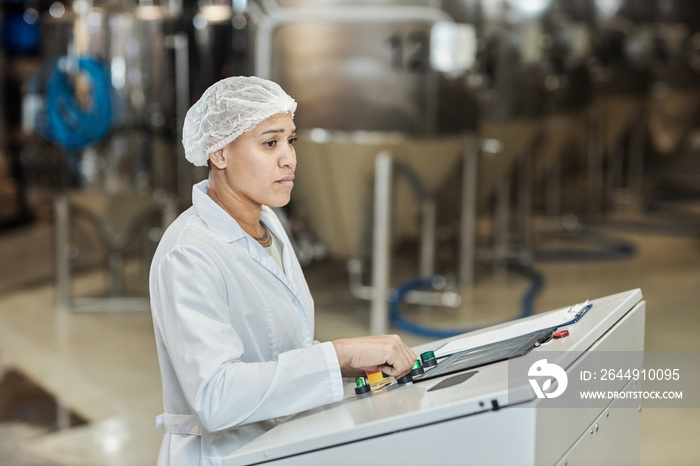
[{"x": 228, "y": 109}]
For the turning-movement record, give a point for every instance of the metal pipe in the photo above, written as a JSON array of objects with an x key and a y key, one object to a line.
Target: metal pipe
[
  {"x": 420, "y": 297},
  {"x": 614, "y": 177},
  {"x": 636, "y": 157},
  {"x": 467, "y": 246},
  {"x": 357, "y": 288},
  {"x": 426, "y": 266},
  {"x": 500, "y": 224},
  {"x": 434, "y": 298},
  {"x": 179, "y": 44},
  {"x": 595, "y": 162},
  {"x": 381, "y": 261},
  {"x": 553, "y": 190},
  {"x": 524, "y": 214},
  {"x": 116, "y": 266},
  {"x": 61, "y": 215},
  {"x": 62, "y": 416}
]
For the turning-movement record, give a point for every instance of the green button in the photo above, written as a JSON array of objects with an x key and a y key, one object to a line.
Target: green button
[
  {"x": 417, "y": 364},
  {"x": 360, "y": 382},
  {"x": 427, "y": 356}
]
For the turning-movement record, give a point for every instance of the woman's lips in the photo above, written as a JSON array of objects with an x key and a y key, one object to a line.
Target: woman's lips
[{"x": 286, "y": 181}]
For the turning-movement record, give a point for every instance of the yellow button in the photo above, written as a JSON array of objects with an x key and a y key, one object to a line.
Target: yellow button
[{"x": 374, "y": 376}]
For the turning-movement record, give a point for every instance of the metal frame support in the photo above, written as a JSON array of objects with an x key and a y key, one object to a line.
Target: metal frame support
[
  {"x": 595, "y": 161},
  {"x": 180, "y": 45},
  {"x": 62, "y": 253},
  {"x": 524, "y": 212},
  {"x": 64, "y": 299},
  {"x": 426, "y": 266},
  {"x": 501, "y": 223},
  {"x": 467, "y": 246},
  {"x": 381, "y": 260},
  {"x": 553, "y": 191},
  {"x": 636, "y": 155},
  {"x": 381, "y": 251}
]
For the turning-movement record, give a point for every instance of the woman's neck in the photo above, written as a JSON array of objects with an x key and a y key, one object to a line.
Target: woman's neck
[{"x": 246, "y": 214}]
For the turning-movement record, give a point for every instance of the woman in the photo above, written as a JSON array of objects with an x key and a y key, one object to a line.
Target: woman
[{"x": 232, "y": 313}]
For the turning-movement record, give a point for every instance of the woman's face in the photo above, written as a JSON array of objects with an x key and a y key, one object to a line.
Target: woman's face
[{"x": 260, "y": 163}]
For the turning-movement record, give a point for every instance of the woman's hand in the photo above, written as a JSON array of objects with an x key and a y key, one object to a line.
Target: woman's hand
[{"x": 384, "y": 352}]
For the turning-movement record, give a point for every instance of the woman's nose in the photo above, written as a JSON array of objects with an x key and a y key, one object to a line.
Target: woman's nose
[{"x": 289, "y": 157}]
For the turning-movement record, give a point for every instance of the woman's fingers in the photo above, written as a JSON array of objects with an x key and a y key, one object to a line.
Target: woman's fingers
[{"x": 386, "y": 352}]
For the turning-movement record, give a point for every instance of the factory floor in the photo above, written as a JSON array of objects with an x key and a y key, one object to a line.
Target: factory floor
[{"x": 101, "y": 371}]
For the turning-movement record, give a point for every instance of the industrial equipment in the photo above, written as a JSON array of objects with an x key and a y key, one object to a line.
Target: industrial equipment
[
  {"x": 105, "y": 96},
  {"x": 486, "y": 394}
]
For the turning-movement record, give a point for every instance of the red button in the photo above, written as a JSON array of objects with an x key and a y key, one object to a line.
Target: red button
[{"x": 561, "y": 334}]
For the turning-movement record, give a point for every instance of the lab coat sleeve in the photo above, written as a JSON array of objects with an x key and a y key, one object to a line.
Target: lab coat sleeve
[{"x": 205, "y": 351}]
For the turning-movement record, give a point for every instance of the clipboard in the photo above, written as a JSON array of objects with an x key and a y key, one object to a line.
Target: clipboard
[
  {"x": 527, "y": 326},
  {"x": 487, "y": 354}
]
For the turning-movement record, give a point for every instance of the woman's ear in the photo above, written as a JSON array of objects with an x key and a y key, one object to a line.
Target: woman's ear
[{"x": 217, "y": 159}]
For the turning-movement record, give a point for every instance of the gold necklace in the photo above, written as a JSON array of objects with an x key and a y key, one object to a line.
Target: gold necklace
[{"x": 266, "y": 239}]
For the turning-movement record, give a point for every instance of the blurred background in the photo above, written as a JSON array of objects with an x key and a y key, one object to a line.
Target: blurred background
[{"x": 460, "y": 163}]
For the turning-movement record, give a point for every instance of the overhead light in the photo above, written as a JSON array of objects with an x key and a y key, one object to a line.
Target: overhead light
[
  {"x": 608, "y": 7},
  {"x": 149, "y": 12},
  {"x": 216, "y": 13},
  {"x": 533, "y": 6}
]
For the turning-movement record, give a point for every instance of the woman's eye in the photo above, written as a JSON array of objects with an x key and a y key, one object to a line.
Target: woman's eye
[
  {"x": 292, "y": 141},
  {"x": 270, "y": 143}
]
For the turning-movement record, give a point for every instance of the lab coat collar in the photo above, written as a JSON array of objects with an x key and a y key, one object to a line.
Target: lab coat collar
[
  {"x": 213, "y": 215},
  {"x": 228, "y": 228}
]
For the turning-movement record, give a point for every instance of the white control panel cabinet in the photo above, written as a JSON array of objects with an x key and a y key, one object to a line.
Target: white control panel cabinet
[{"x": 482, "y": 419}]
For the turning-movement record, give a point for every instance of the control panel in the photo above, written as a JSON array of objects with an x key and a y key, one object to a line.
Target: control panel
[{"x": 462, "y": 398}]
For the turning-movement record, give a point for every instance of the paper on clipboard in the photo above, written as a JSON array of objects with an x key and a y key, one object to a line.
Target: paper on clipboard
[{"x": 520, "y": 327}]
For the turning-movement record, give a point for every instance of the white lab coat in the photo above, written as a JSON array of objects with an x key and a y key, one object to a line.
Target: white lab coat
[{"x": 234, "y": 335}]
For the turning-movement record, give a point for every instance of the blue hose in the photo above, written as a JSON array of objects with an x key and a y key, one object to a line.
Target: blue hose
[
  {"x": 400, "y": 322},
  {"x": 67, "y": 123},
  {"x": 62, "y": 119}
]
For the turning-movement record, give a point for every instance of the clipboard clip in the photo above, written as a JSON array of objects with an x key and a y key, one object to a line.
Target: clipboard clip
[{"x": 578, "y": 310}]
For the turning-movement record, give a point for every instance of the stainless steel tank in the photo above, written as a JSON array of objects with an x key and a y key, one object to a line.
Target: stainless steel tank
[
  {"x": 569, "y": 40},
  {"x": 364, "y": 66},
  {"x": 361, "y": 74},
  {"x": 674, "y": 99},
  {"x": 513, "y": 96},
  {"x": 133, "y": 42},
  {"x": 645, "y": 73},
  {"x": 222, "y": 41},
  {"x": 354, "y": 65},
  {"x": 621, "y": 71},
  {"x": 127, "y": 179}
]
